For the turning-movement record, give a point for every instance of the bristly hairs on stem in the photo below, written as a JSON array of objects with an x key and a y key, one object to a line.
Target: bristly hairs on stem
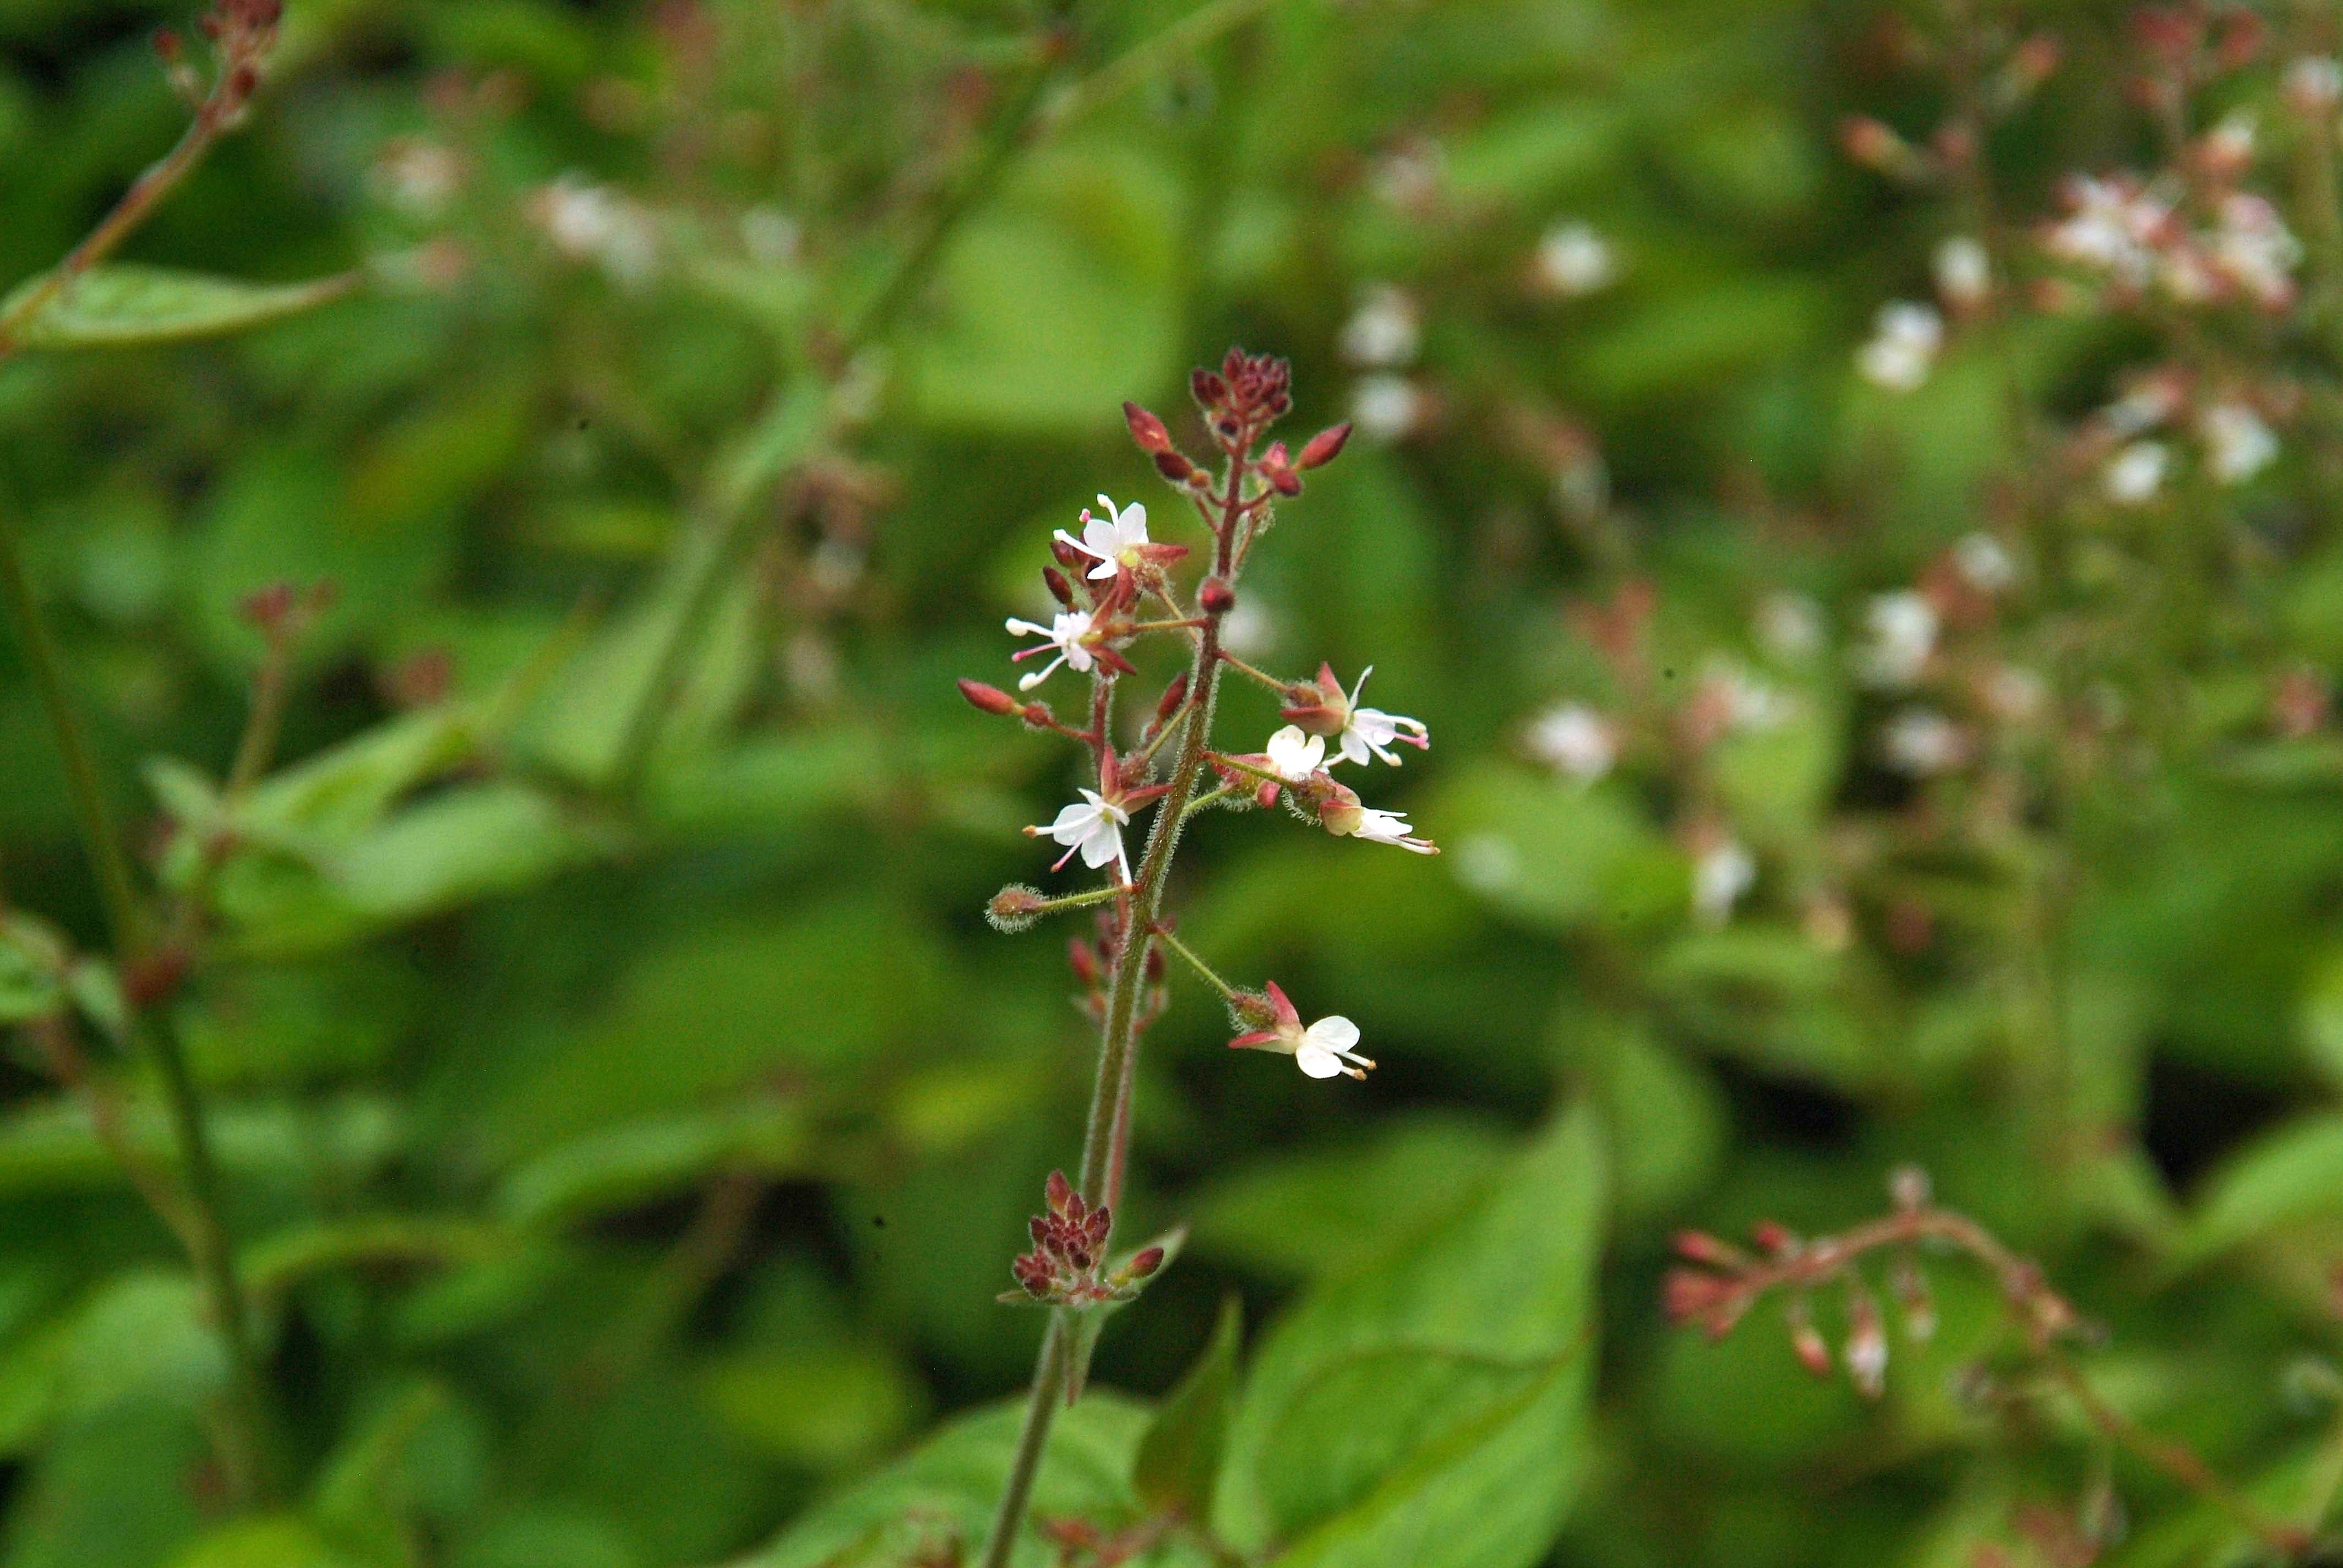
[{"x": 1099, "y": 580}]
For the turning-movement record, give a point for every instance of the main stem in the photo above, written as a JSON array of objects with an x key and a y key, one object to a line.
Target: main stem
[
  {"x": 1106, "y": 1137},
  {"x": 245, "y": 1444}
]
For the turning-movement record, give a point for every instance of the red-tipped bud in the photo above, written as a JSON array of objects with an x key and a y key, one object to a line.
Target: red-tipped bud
[
  {"x": 1038, "y": 715},
  {"x": 1059, "y": 1194},
  {"x": 1700, "y": 1247},
  {"x": 241, "y": 83},
  {"x": 154, "y": 977},
  {"x": 1066, "y": 556},
  {"x": 1144, "y": 1262},
  {"x": 1323, "y": 447},
  {"x": 1216, "y": 596},
  {"x": 168, "y": 48},
  {"x": 1866, "y": 1343},
  {"x": 1154, "y": 966},
  {"x": 1208, "y": 389},
  {"x": 268, "y": 608},
  {"x": 1264, "y": 795},
  {"x": 1060, "y": 589},
  {"x": 990, "y": 699},
  {"x": 1776, "y": 1241},
  {"x": 1871, "y": 143},
  {"x": 1082, "y": 959},
  {"x": 1146, "y": 430},
  {"x": 1813, "y": 1349},
  {"x": 1174, "y": 696},
  {"x": 1175, "y": 467}
]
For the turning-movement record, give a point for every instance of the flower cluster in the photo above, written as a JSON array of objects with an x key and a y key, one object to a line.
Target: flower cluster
[
  {"x": 1068, "y": 1266},
  {"x": 1113, "y": 585}
]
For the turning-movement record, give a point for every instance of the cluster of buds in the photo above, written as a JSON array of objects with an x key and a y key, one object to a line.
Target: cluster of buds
[
  {"x": 241, "y": 33},
  {"x": 1721, "y": 1282},
  {"x": 1068, "y": 1265}
]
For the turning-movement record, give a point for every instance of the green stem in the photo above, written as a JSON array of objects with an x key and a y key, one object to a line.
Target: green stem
[
  {"x": 1211, "y": 797},
  {"x": 246, "y": 1442},
  {"x": 1283, "y": 688},
  {"x": 1228, "y": 993}
]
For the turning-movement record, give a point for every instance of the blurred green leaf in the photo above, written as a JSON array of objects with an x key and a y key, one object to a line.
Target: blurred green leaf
[
  {"x": 124, "y": 305},
  {"x": 1178, "y": 1466},
  {"x": 2286, "y": 1176}
]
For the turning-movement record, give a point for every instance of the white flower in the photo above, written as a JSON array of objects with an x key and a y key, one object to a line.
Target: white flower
[
  {"x": 1721, "y": 874},
  {"x": 1902, "y": 627},
  {"x": 2147, "y": 402},
  {"x": 1294, "y": 756},
  {"x": 1983, "y": 564},
  {"x": 1386, "y": 408},
  {"x": 1790, "y": 625},
  {"x": 1378, "y": 827},
  {"x": 2113, "y": 226},
  {"x": 1325, "y": 1047},
  {"x": 1905, "y": 342},
  {"x": 2133, "y": 474},
  {"x": 1574, "y": 739},
  {"x": 1746, "y": 702},
  {"x": 2313, "y": 84},
  {"x": 1113, "y": 541},
  {"x": 1369, "y": 731},
  {"x": 1384, "y": 332},
  {"x": 1092, "y": 827},
  {"x": 1065, "y": 633},
  {"x": 2255, "y": 249},
  {"x": 591, "y": 223},
  {"x": 1574, "y": 260},
  {"x": 1248, "y": 630},
  {"x": 1923, "y": 742},
  {"x": 2237, "y": 445},
  {"x": 1964, "y": 272}
]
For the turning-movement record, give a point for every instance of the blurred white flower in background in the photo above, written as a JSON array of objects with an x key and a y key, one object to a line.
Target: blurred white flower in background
[
  {"x": 1903, "y": 638},
  {"x": 2134, "y": 476},
  {"x": 1387, "y": 407},
  {"x": 1964, "y": 273},
  {"x": 1790, "y": 626},
  {"x": 1983, "y": 564},
  {"x": 1721, "y": 874},
  {"x": 1573, "y": 259},
  {"x": 1906, "y": 339},
  {"x": 2237, "y": 444},
  {"x": 1922, "y": 742},
  {"x": 1574, "y": 739},
  {"x": 1384, "y": 332},
  {"x": 591, "y": 223}
]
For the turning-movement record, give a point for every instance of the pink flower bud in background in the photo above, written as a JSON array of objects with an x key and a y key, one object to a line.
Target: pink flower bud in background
[{"x": 1147, "y": 430}]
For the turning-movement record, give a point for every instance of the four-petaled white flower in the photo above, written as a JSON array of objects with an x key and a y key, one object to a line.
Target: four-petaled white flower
[
  {"x": 1113, "y": 541},
  {"x": 1092, "y": 827},
  {"x": 1065, "y": 633},
  {"x": 1381, "y": 827},
  {"x": 1574, "y": 739},
  {"x": 1294, "y": 756},
  {"x": 1369, "y": 731},
  {"x": 1322, "y": 1051}
]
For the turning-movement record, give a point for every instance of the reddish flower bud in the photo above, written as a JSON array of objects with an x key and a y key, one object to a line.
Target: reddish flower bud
[
  {"x": 1060, "y": 589},
  {"x": 1144, "y": 1262},
  {"x": 1208, "y": 389},
  {"x": 1700, "y": 1247},
  {"x": 990, "y": 699},
  {"x": 241, "y": 83},
  {"x": 1175, "y": 467},
  {"x": 1324, "y": 447},
  {"x": 154, "y": 977},
  {"x": 1038, "y": 715},
  {"x": 1082, "y": 959},
  {"x": 1174, "y": 694},
  {"x": 267, "y": 608},
  {"x": 1813, "y": 1349},
  {"x": 1216, "y": 596},
  {"x": 1870, "y": 142},
  {"x": 1072, "y": 559},
  {"x": 1776, "y": 1241},
  {"x": 1059, "y": 1194},
  {"x": 1147, "y": 429},
  {"x": 168, "y": 46},
  {"x": 1265, "y": 796},
  {"x": 1154, "y": 966}
]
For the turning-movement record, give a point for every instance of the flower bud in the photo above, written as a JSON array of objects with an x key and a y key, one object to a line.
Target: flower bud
[
  {"x": 1908, "y": 1187},
  {"x": 154, "y": 977},
  {"x": 1208, "y": 389},
  {"x": 1216, "y": 596},
  {"x": 1700, "y": 1247},
  {"x": 1059, "y": 1194},
  {"x": 1251, "y": 1010},
  {"x": 1082, "y": 959},
  {"x": 1038, "y": 715},
  {"x": 1060, "y": 589},
  {"x": 990, "y": 699},
  {"x": 1174, "y": 694},
  {"x": 1144, "y": 1262},
  {"x": 1266, "y": 794},
  {"x": 266, "y": 610},
  {"x": 1015, "y": 907},
  {"x": 1340, "y": 811},
  {"x": 168, "y": 46},
  {"x": 1324, "y": 447},
  {"x": 1776, "y": 1241},
  {"x": 1871, "y": 143},
  {"x": 1175, "y": 467},
  {"x": 1147, "y": 430},
  {"x": 1813, "y": 1349}
]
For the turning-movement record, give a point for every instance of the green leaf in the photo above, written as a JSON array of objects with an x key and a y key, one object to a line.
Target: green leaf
[
  {"x": 1178, "y": 1467},
  {"x": 31, "y": 958},
  {"x": 277, "y": 1542},
  {"x": 1507, "y": 1277},
  {"x": 2283, "y": 1178},
  {"x": 947, "y": 1488},
  {"x": 124, "y": 305},
  {"x": 1434, "y": 1459},
  {"x": 641, "y": 1161}
]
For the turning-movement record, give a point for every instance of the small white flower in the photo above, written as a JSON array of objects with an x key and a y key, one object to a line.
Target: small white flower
[
  {"x": 1746, "y": 702},
  {"x": 1790, "y": 625},
  {"x": 2133, "y": 474},
  {"x": 1248, "y": 631},
  {"x": 2313, "y": 85},
  {"x": 1721, "y": 874},
  {"x": 2147, "y": 402},
  {"x": 1964, "y": 272},
  {"x": 1574, "y": 739},
  {"x": 1384, "y": 332},
  {"x": 1906, "y": 339},
  {"x": 1369, "y": 731},
  {"x": 1065, "y": 633},
  {"x": 1111, "y": 537},
  {"x": 2113, "y": 225},
  {"x": 1902, "y": 627},
  {"x": 2237, "y": 445},
  {"x": 1983, "y": 564},
  {"x": 1386, "y": 408},
  {"x": 1092, "y": 828},
  {"x": 1379, "y": 827},
  {"x": 1294, "y": 756},
  {"x": 2255, "y": 249},
  {"x": 1574, "y": 260},
  {"x": 770, "y": 236},
  {"x": 1326, "y": 1046},
  {"x": 592, "y": 222},
  {"x": 1923, "y": 743}
]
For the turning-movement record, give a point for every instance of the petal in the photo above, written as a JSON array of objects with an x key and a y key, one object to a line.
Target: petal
[
  {"x": 1333, "y": 1032},
  {"x": 1103, "y": 844},
  {"x": 1317, "y": 1061},
  {"x": 1075, "y": 819}
]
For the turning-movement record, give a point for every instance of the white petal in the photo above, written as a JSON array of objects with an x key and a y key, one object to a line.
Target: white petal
[
  {"x": 1072, "y": 822},
  {"x": 1333, "y": 1033},
  {"x": 1317, "y": 1061},
  {"x": 1104, "y": 843}
]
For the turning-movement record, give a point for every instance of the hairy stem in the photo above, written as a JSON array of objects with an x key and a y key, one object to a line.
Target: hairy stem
[{"x": 1106, "y": 1137}]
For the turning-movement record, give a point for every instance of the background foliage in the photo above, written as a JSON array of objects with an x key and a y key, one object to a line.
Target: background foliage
[{"x": 624, "y": 1176}]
